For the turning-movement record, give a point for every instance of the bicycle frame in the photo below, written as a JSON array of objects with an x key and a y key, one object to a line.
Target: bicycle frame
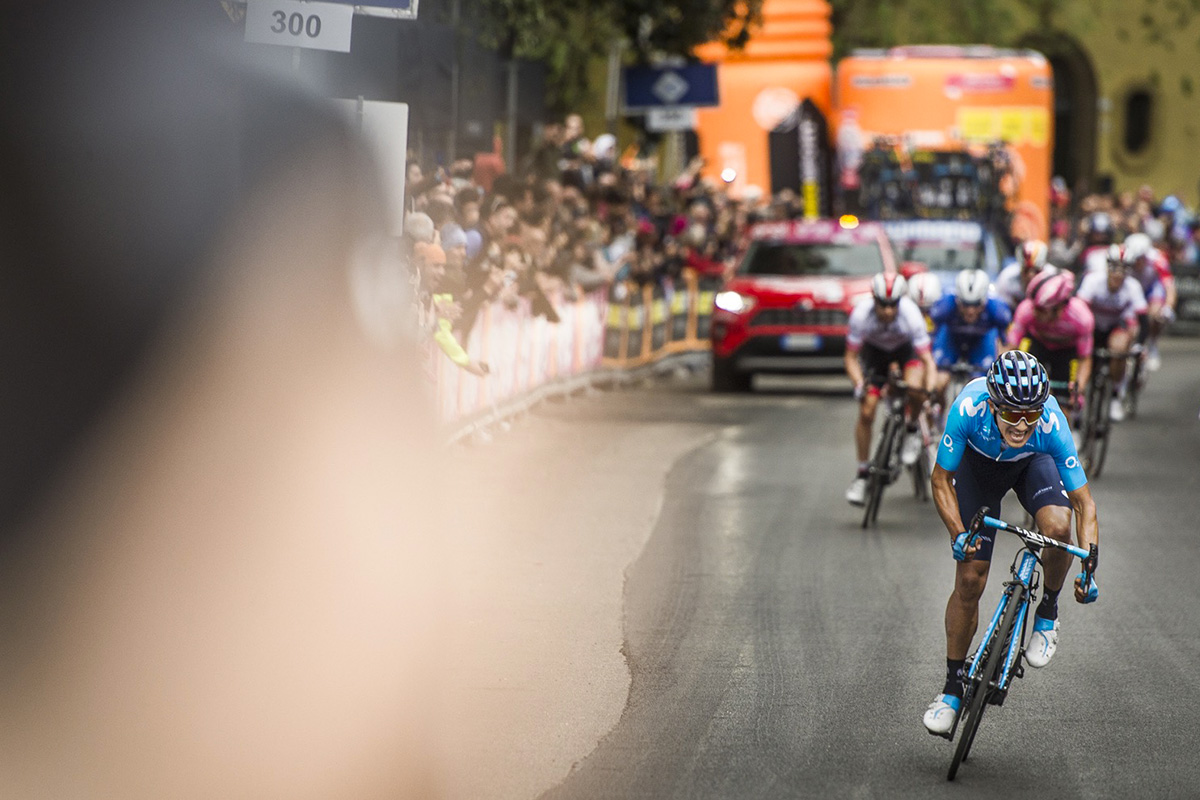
[
  {"x": 1022, "y": 573},
  {"x": 987, "y": 680}
]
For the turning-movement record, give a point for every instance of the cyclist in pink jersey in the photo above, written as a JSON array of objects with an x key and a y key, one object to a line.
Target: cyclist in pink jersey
[{"x": 1057, "y": 328}]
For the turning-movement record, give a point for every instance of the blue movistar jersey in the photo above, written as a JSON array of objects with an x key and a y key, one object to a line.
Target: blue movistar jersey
[
  {"x": 995, "y": 317},
  {"x": 969, "y": 423}
]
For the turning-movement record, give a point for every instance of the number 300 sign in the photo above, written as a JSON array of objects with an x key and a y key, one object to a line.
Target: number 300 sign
[{"x": 324, "y": 26}]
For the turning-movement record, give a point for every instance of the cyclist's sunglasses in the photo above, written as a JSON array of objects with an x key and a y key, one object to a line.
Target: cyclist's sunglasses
[
  {"x": 887, "y": 303},
  {"x": 1013, "y": 416}
]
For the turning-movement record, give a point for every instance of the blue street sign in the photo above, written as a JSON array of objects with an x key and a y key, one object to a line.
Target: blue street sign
[{"x": 653, "y": 87}]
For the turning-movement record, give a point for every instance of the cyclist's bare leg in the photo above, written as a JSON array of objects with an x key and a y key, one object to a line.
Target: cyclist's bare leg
[
  {"x": 862, "y": 427},
  {"x": 1055, "y": 522},
  {"x": 1118, "y": 341},
  {"x": 914, "y": 376},
  {"x": 1154, "y": 314},
  {"x": 962, "y": 610}
]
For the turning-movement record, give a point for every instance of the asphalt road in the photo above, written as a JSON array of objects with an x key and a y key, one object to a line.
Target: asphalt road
[
  {"x": 779, "y": 650},
  {"x": 776, "y": 649}
]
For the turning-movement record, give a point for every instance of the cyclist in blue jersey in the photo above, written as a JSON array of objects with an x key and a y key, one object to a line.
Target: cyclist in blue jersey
[
  {"x": 968, "y": 325},
  {"x": 1004, "y": 431}
]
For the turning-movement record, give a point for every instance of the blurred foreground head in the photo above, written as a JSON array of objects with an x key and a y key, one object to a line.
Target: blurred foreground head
[{"x": 216, "y": 573}]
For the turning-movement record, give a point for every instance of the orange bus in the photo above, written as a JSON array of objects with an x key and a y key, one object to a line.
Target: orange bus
[{"x": 938, "y": 98}]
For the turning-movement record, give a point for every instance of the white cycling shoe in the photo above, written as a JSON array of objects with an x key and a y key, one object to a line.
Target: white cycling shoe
[
  {"x": 910, "y": 451},
  {"x": 857, "y": 493},
  {"x": 1043, "y": 643},
  {"x": 939, "y": 717},
  {"x": 1116, "y": 410}
]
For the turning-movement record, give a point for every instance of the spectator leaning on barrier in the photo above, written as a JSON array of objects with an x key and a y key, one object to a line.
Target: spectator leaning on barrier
[{"x": 439, "y": 309}]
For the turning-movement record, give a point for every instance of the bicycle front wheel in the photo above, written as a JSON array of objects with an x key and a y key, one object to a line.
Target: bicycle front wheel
[{"x": 987, "y": 680}]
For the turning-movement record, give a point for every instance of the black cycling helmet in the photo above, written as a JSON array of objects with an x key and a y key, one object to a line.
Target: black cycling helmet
[{"x": 1018, "y": 380}]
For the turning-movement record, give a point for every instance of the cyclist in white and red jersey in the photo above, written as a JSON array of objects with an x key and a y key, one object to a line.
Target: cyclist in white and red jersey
[
  {"x": 1098, "y": 236},
  {"x": 1116, "y": 301},
  {"x": 1152, "y": 269},
  {"x": 1057, "y": 328},
  {"x": 885, "y": 329},
  {"x": 1012, "y": 281}
]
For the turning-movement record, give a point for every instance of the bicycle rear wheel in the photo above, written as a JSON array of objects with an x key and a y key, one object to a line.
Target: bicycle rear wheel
[
  {"x": 879, "y": 470},
  {"x": 1135, "y": 382},
  {"x": 989, "y": 678}
]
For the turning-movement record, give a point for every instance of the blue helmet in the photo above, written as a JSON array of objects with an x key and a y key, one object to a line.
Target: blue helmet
[{"x": 1018, "y": 380}]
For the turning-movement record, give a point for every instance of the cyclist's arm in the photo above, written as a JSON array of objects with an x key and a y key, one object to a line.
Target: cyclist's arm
[
  {"x": 853, "y": 366},
  {"x": 857, "y": 326},
  {"x": 931, "y": 370},
  {"x": 1020, "y": 325},
  {"x": 1087, "y": 527},
  {"x": 1082, "y": 374},
  {"x": 1084, "y": 342},
  {"x": 946, "y": 500}
]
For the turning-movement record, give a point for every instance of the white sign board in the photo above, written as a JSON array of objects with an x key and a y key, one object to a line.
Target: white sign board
[
  {"x": 671, "y": 118},
  {"x": 319, "y": 26},
  {"x": 384, "y": 125}
]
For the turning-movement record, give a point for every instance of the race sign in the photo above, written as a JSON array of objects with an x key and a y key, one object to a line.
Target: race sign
[{"x": 320, "y": 26}]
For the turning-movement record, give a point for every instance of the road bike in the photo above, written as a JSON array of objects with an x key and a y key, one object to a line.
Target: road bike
[
  {"x": 1136, "y": 376},
  {"x": 885, "y": 467},
  {"x": 1096, "y": 425},
  {"x": 996, "y": 662}
]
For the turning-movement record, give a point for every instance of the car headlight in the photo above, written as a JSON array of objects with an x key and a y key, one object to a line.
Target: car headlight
[{"x": 733, "y": 302}]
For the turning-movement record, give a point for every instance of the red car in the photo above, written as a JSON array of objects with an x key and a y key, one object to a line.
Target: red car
[{"x": 787, "y": 307}]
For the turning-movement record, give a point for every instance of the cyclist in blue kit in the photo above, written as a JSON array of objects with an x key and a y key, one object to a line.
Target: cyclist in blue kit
[
  {"x": 1005, "y": 431},
  {"x": 968, "y": 325}
]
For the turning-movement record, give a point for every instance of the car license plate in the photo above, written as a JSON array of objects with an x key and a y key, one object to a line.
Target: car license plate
[{"x": 801, "y": 342}]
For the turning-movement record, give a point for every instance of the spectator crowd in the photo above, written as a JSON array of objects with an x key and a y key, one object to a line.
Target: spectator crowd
[{"x": 576, "y": 217}]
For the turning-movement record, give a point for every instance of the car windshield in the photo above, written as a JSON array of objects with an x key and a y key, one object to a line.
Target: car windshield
[
  {"x": 950, "y": 257},
  {"x": 788, "y": 258}
]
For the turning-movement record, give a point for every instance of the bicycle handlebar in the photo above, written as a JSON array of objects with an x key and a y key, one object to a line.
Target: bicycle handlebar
[
  {"x": 1104, "y": 353},
  {"x": 1031, "y": 537},
  {"x": 1088, "y": 558}
]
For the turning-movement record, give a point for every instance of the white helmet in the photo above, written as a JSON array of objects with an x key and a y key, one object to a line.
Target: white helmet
[
  {"x": 1137, "y": 245},
  {"x": 971, "y": 286},
  {"x": 889, "y": 287},
  {"x": 1032, "y": 254},
  {"x": 925, "y": 289}
]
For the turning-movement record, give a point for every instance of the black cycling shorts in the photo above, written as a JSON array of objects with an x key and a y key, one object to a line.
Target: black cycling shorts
[
  {"x": 1060, "y": 363},
  {"x": 875, "y": 362},
  {"x": 980, "y": 481}
]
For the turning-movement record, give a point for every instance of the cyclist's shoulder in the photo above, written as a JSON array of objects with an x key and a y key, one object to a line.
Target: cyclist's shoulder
[
  {"x": 1078, "y": 310},
  {"x": 862, "y": 309},
  {"x": 1054, "y": 430},
  {"x": 1092, "y": 283},
  {"x": 943, "y": 308},
  {"x": 997, "y": 309},
  {"x": 970, "y": 406}
]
